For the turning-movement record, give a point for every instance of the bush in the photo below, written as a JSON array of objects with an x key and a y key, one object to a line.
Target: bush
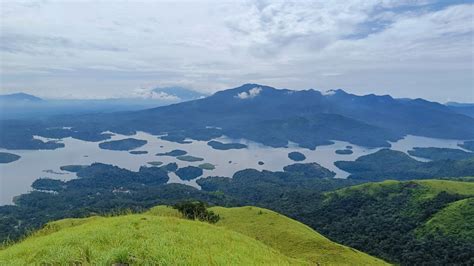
[{"x": 196, "y": 210}]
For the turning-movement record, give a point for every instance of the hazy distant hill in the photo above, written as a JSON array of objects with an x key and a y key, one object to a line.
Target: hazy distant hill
[
  {"x": 25, "y": 106},
  {"x": 308, "y": 117},
  {"x": 462, "y": 108},
  {"x": 19, "y": 97},
  {"x": 275, "y": 117}
]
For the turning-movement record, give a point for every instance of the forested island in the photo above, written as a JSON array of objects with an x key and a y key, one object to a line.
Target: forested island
[
  {"x": 6, "y": 157},
  {"x": 225, "y": 146},
  {"x": 123, "y": 144},
  {"x": 296, "y": 156}
]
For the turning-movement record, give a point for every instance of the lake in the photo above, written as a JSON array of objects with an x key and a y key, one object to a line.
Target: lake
[{"x": 16, "y": 177}]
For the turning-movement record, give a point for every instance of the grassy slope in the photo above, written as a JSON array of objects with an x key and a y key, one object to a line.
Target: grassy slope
[
  {"x": 457, "y": 219},
  {"x": 290, "y": 237},
  {"x": 430, "y": 188},
  {"x": 285, "y": 235},
  {"x": 436, "y": 186},
  {"x": 243, "y": 236},
  {"x": 140, "y": 239}
]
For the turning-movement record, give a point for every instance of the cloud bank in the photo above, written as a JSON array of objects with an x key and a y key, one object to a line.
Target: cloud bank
[{"x": 408, "y": 48}]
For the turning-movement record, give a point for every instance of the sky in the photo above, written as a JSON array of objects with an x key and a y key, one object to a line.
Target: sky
[{"x": 109, "y": 49}]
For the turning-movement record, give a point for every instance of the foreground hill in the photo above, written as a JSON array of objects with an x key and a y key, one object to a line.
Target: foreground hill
[
  {"x": 413, "y": 222},
  {"x": 243, "y": 236}
]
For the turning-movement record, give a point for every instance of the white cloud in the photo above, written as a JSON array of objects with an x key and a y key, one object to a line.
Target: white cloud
[
  {"x": 148, "y": 93},
  {"x": 409, "y": 48},
  {"x": 252, "y": 93},
  {"x": 328, "y": 92}
]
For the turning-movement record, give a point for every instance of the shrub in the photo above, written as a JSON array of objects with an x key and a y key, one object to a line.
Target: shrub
[{"x": 196, "y": 210}]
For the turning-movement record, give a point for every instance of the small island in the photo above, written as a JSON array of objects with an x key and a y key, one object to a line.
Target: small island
[
  {"x": 344, "y": 152},
  {"x": 189, "y": 172},
  {"x": 173, "y": 153},
  {"x": 313, "y": 170},
  {"x": 6, "y": 157},
  {"x": 189, "y": 158},
  {"x": 225, "y": 146},
  {"x": 207, "y": 166},
  {"x": 296, "y": 156},
  {"x": 138, "y": 152},
  {"x": 123, "y": 144},
  {"x": 440, "y": 153},
  {"x": 176, "y": 138},
  {"x": 74, "y": 168},
  {"x": 155, "y": 163}
]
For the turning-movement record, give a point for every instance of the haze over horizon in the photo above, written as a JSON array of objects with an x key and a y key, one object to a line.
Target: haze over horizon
[{"x": 96, "y": 49}]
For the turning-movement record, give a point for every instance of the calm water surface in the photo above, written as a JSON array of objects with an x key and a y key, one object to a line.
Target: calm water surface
[{"x": 16, "y": 177}]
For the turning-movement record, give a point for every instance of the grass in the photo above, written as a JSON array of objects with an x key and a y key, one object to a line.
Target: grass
[
  {"x": 140, "y": 239},
  {"x": 457, "y": 220},
  {"x": 455, "y": 187},
  {"x": 285, "y": 235},
  {"x": 290, "y": 237},
  {"x": 243, "y": 236},
  {"x": 428, "y": 188}
]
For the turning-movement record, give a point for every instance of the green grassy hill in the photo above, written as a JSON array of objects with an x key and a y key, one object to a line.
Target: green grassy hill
[
  {"x": 456, "y": 220},
  {"x": 283, "y": 234},
  {"x": 411, "y": 222},
  {"x": 243, "y": 236}
]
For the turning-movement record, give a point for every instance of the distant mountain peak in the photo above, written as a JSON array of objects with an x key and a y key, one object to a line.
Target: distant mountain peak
[{"x": 20, "y": 96}]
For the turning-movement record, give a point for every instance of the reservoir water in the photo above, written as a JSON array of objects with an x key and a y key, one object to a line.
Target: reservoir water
[{"x": 16, "y": 177}]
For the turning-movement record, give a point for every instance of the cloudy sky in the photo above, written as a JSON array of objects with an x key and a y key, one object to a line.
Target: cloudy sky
[{"x": 100, "y": 49}]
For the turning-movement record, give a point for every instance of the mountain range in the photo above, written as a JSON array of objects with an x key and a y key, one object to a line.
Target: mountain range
[
  {"x": 275, "y": 117},
  {"x": 27, "y": 106}
]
